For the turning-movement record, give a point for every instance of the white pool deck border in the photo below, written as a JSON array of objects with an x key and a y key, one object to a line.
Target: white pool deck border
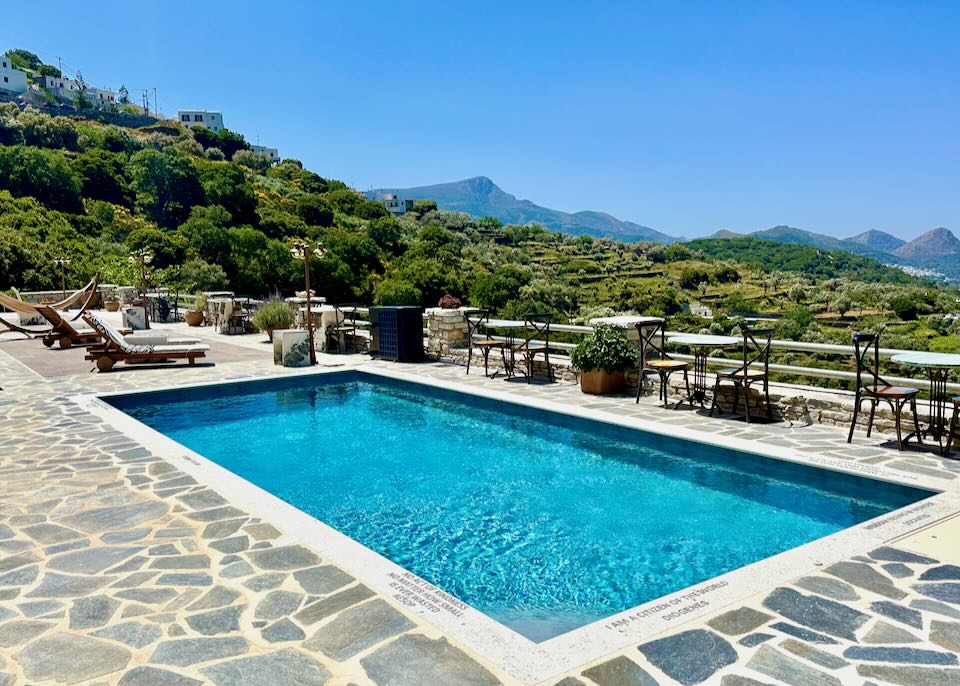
[{"x": 519, "y": 657}]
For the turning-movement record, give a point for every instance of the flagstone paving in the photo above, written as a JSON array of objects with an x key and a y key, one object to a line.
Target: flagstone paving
[{"x": 118, "y": 568}]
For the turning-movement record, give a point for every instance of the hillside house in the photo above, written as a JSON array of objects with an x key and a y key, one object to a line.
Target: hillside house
[
  {"x": 67, "y": 89},
  {"x": 395, "y": 205},
  {"x": 698, "y": 310},
  {"x": 11, "y": 80},
  {"x": 272, "y": 153},
  {"x": 208, "y": 119}
]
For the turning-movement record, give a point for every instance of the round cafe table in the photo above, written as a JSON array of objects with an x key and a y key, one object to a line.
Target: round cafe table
[
  {"x": 701, "y": 345},
  {"x": 510, "y": 327},
  {"x": 938, "y": 366}
]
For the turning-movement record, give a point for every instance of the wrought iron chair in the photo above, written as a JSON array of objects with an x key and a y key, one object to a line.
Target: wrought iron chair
[
  {"x": 954, "y": 427},
  {"x": 872, "y": 387},
  {"x": 653, "y": 344},
  {"x": 754, "y": 368},
  {"x": 341, "y": 334},
  {"x": 536, "y": 341},
  {"x": 477, "y": 321}
]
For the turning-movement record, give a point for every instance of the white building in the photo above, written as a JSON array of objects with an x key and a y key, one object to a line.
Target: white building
[
  {"x": 698, "y": 310},
  {"x": 11, "y": 79},
  {"x": 272, "y": 153},
  {"x": 62, "y": 87},
  {"x": 395, "y": 205},
  {"x": 208, "y": 119}
]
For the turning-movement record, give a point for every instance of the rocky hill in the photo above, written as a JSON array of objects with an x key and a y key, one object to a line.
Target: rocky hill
[
  {"x": 877, "y": 240},
  {"x": 937, "y": 250},
  {"x": 481, "y": 197}
]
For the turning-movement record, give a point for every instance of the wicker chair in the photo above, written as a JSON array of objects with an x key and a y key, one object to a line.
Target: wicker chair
[
  {"x": 477, "y": 321},
  {"x": 873, "y": 388},
  {"x": 536, "y": 341},
  {"x": 654, "y": 358}
]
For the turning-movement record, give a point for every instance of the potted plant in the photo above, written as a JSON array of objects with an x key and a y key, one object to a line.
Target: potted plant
[
  {"x": 195, "y": 316},
  {"x": 602, "y": 358},
  {"x": 113, "y": 302},
  {"x": 272, "y": 315}
]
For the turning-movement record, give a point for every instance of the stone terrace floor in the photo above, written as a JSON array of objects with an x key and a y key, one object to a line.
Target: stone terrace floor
[{"x": 116, "y": 568}]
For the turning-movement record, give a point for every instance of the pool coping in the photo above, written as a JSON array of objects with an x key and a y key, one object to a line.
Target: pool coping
[{"x": 518, "y": 656}]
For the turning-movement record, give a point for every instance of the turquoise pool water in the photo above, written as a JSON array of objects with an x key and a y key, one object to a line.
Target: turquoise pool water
[{"x": 543, "y": 522}]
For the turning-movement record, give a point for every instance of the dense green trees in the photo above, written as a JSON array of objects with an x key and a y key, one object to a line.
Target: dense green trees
[
  {"x": 102, "y": 177},
  {"x": 43, "y": 174},
  {"x": 224, "y": 140},
  {"x": 166, "y": 184},
  {"x": 226, "y": 185},
  {"x": 315, "y": 210},
  {"x": 95, "y": 192}
]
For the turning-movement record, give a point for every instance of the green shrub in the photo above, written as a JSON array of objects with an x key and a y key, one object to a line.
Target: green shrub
[
  {"x": 608, "y": 348},
  {"x": 397, "y": 292},
  {"x": 275, "y": 314}
]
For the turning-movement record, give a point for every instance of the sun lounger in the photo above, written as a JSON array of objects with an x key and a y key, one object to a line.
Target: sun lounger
[
  {"x": 64, "y": 333},
  {"x": 116, "y": 348}
]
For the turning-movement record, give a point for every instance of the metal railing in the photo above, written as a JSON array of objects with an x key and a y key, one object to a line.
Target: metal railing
[{"x": 784, "y": 345}]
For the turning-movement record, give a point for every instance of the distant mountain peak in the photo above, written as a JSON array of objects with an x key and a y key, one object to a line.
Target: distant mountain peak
[
  {"x": 725, "y": 233},
  {"x": 479, "y": 196},
  {"x": 936, "y": 243},
  {"x": 481, "y": 184},
  {"x": 878, "y": 240}
]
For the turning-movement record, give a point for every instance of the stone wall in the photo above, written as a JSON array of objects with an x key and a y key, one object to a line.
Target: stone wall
[{"x": 447, "y": 340}]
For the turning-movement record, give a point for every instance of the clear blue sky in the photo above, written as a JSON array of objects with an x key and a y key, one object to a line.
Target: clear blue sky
[{"x": 688, "y": 117}]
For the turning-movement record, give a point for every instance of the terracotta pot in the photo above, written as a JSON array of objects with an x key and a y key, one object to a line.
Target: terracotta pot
[
  {"x": 193, "y": 318},
  {"x": 601, "y": 382},
  {"x": 113, "y": 306}
]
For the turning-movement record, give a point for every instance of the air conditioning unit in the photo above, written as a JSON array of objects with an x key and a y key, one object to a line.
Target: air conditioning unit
[{"x": 397, "y": 333}]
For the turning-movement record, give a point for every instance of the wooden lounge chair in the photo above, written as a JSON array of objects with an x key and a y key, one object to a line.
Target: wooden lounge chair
[
  {"x": 64, "y": 333},
  {"x": 116, "y": 348},
  {"x": 872, "y": 387}
]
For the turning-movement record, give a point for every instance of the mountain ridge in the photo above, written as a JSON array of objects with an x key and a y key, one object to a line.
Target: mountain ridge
[
  {"x": 479, "y": 196},
  {"x": 937, "y": 249},
  {"x": 879, "y": 240}
]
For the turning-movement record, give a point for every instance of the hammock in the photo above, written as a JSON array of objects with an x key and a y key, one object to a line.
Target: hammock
[
  {"x": 28, "y": 331},
  {"x": 90, "y": 290}
]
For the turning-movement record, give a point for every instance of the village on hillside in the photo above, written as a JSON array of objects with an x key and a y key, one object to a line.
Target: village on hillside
[{"x": 27, "y": 81}]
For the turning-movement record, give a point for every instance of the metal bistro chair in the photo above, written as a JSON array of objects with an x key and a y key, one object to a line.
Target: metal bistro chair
[
  {"x": 755, "y": 368},
  {"x": 954, "y": 427},
  {"x": 876, "y": 389},
  {"x": 653, "y": 342},
  {"x": 477, "y": 321},
  {"x": 342, "y": 333},
  {"x": 536, "y": 340}
]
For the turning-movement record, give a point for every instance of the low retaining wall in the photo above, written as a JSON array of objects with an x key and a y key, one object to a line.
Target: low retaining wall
[{"x": 447, "y": 340}]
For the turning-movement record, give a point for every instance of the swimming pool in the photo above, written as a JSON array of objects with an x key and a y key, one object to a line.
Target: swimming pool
[{"x": 544, "y": 522}]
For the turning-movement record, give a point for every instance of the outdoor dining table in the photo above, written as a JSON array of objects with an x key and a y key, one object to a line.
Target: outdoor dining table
[
  {"x": 938, "y": 366},
  {"x": 627, "y": 321},
  {"x": 510, "y": 326},
  {"x": 701, "y": 345}
]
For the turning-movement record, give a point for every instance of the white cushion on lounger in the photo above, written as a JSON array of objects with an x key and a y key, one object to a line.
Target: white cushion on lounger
[
  {"x": 158, "y": 338},
  {"x": 180, "y": 348}
]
